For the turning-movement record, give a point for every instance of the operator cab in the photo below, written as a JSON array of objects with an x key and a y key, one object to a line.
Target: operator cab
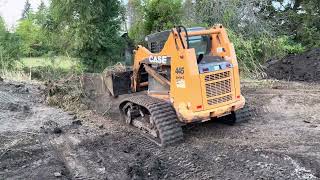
[
  {"x": 206, "y": 60},
  {"x": 201, "y": 44}
]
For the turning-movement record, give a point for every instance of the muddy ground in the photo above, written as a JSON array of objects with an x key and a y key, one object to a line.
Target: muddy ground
[{"x": 280, "y": 142}]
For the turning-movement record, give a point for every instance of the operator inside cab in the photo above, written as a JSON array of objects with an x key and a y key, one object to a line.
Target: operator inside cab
[{"x": 207, "y": 62}]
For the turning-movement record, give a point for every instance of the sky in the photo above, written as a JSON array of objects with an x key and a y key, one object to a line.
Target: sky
[{"x": 11, "y": 10}]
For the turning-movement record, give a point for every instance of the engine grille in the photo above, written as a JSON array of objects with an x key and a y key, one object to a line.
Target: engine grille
[
  {"x": 221, "y": 87},
  {"x": 213, "y": 77},
  {"x": 219, "y": 100},
  {"x": 218, "y": 88}
]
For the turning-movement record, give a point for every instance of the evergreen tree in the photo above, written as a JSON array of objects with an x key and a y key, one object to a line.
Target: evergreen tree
[
  {"x": 42, "y": 6},
  {"x": 26, "y": 10},
  {"x": 41, "y": 14}
]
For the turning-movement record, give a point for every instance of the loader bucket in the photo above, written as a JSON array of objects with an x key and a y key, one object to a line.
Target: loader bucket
[{"x": 118, "y": 83}]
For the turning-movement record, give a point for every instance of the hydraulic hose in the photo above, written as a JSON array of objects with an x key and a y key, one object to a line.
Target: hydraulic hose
[{"x": 180, "y": 37}]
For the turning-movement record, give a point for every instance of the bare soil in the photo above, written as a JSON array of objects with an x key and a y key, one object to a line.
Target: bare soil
[
  {"x": 301, "y": 67},
  {"x": 41, "y": 142}
]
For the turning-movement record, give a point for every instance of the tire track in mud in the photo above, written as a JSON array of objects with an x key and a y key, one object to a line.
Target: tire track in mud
[
  {"x": 136, "y": 156},
  {"x": 185, "y": 162},
  {"x": 66, "y": 149},
  {"x": 180, "y": 161}
]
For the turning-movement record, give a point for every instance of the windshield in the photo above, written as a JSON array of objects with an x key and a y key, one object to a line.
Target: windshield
[{"x": 201, "y": 44}]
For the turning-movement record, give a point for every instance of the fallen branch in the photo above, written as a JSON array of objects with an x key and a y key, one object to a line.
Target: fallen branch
[
  {"x": 9, "y": 149},
  {"x": 5, "y": 152},
  {"x": 30, "y": 133}
]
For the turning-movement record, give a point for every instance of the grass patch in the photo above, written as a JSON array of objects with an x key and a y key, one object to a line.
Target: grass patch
[
  {"x": 60, "y": 62},
  {"x": 44, "y": 68}
]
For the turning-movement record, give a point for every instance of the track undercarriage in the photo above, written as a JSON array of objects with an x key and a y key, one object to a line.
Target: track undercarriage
[{"x": 156, "y": 118}]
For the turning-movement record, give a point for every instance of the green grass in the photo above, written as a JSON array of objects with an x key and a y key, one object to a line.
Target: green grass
[
  {"x": 61, "y": 62},
  {"x": 44, "y": 68}
]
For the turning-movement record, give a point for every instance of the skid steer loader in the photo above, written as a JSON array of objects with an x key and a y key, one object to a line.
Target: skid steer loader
[{"x": 185, "y": 76}]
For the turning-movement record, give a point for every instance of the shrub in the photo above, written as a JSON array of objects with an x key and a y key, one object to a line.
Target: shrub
[
  {"x": 253, "y": 52},
  {"x": 9, "y": 47}
]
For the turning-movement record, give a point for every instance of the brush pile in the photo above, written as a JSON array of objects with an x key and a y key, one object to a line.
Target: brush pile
[
  {"x": 117, "y": 68},
  {"x": 66, "y": 94}
]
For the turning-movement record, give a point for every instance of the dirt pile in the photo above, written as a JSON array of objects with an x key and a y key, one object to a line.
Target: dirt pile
[{"x": 302, "y": 67}]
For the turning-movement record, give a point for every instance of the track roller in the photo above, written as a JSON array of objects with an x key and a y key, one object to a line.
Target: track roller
[{"x": 155, "y": 118}]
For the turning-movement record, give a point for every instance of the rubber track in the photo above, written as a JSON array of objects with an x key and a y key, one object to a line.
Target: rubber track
[
  {"x": 164, "y": 116},
  {"x": 243, "y": 114}
]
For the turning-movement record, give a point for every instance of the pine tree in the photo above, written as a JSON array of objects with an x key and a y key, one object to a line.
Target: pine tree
[
  {"x": 41, "y": 14},
  {"x": 42, "y": 6},
  {"x": 26, "y": 10}
]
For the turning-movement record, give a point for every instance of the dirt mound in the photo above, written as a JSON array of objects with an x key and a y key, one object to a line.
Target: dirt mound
[{"x": 302, "y": 67}]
